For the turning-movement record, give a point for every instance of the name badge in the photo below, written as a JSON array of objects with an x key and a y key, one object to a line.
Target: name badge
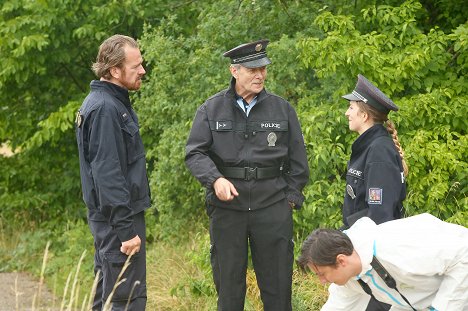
[{"x": 223, "y": 125}]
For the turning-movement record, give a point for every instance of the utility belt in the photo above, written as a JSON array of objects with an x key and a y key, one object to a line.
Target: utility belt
[{"x": 248, "y": 173}]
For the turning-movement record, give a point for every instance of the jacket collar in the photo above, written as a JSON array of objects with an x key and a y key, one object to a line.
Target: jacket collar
[
  {"x": 366, "y": 138},
  {"x": 119, "y": 92}
]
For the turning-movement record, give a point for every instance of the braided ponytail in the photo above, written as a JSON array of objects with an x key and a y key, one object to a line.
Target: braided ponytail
[
  {"x": 393, "y": 132},
  {"x": 380, "y": 117}
]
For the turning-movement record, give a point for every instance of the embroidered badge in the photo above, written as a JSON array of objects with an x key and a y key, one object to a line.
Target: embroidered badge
[
  {"x": 375, "y": 196},
  {"x": 223, "y": 125},
  {"x": 220, "y": 125},
  {"x": 271, "y": 138},
  {"x": 350, "y": 191},
  {"x": 78, "y": 118}
]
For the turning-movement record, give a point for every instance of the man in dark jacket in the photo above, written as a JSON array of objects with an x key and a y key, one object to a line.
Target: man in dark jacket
[
  {"x": 247, "y": 149},
  {"x": 113, "y": 174}
]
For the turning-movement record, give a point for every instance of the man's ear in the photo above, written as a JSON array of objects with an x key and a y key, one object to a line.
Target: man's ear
[
  {"x": 341, "y": 260},
  {"x": 115, "y": 72},
  {"x": 233, "y": 71}
]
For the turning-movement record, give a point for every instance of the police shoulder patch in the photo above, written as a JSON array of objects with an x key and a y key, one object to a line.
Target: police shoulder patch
[{"x": 375, "y": 196}]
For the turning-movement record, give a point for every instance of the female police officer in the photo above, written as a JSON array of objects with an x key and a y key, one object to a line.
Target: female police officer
[{"x": 375, "y": 178}]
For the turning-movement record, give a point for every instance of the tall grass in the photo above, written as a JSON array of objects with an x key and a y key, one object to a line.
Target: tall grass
[{"x": 178, "y": 278}]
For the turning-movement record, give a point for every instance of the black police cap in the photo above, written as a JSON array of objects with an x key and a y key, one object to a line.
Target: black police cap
[
  {"x": 250, "y": 55},
  {"x": 368, "y": 93}
]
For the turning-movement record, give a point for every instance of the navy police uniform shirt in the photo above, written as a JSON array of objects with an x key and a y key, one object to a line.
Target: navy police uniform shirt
[
  {"x": 112, "y": 158},
  {"x": 375, "y": 185}
]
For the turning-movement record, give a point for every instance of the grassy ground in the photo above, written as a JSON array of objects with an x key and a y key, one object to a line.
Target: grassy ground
[
  {"x": 178, "y": 274},
  {"x": 179, "y": 278}
]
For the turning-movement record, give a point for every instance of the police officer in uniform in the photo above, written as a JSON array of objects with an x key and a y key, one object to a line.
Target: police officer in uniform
[
  {"x": 375, "y": 178},
  {"x": 113, "y": 174},
  {"x": 247, "y": 149}
]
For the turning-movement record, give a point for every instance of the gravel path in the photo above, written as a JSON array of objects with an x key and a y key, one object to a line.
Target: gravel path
[{"x": 19, "y": 290}]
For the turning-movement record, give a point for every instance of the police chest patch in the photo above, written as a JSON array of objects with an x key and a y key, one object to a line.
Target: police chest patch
[{"x": 375, "y": 196}]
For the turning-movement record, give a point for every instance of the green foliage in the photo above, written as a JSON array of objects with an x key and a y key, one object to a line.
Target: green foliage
[
  {"x": 420, "y": 72},
  {"x": 47, "y": 48},
  {"x": 416, "y": 52}
]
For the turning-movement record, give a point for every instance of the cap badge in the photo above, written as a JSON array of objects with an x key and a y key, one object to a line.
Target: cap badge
[
  {"x": 271, "y": 138},
  {"x": 350, "y": 191},
  {"x": 78, "y": 118},
  {"x": 258, "y": 47}
]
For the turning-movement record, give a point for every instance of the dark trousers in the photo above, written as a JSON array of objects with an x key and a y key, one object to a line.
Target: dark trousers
[
  {"x": 375, "y": 305},
  {"x": 269, "y": 233},
  {"x": 109, "y": 261}
]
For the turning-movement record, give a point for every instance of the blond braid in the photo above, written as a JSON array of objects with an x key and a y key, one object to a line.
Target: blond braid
[
  {"x": 381, "y": 117},
  {"x": 392, "y": 131}
]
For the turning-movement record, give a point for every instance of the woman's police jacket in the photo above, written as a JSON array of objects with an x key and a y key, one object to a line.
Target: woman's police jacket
[
  {"x": 375, "y": 185},
  {"x": 263, "y": 155}
]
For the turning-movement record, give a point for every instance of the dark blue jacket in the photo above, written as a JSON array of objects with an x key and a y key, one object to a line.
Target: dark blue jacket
[
  {"x": 112, "y": 158},
  {"x": 375, "y": 184}
]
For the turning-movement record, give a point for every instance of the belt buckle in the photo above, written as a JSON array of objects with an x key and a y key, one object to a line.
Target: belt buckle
[{"x": 250, "y": 173}]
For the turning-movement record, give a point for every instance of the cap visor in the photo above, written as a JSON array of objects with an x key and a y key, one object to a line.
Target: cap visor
[
  {"x": 257, "y": 63},
  {"x": 351, "y": 97}
]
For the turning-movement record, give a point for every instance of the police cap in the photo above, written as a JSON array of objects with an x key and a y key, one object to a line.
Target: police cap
[
  {"x": 250, "y": 55},
  {"x": 368, "y": 93}
]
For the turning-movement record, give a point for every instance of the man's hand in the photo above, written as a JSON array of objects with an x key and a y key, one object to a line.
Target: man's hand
[
  {"x": 224, "y": 189},
  {"x": 131, "y": 247}
]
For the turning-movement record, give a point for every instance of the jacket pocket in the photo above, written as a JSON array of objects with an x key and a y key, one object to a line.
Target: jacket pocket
[{"x": 134, "y": 144}]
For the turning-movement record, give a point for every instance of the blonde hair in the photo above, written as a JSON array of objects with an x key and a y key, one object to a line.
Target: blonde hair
[
  {"x": 112, "y": 54},
  {"x": 381, "y": 117}
]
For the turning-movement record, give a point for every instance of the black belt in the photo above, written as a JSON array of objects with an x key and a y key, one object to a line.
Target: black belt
[{"x": 248, "y": 173}]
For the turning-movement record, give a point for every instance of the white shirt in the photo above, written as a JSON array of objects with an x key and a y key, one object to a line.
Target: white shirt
[{"x": 427, "y": 257}]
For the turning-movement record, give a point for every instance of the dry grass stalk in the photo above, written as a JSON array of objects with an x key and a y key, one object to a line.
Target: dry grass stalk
[
  {"x": 33, "y": 304},
  {"x": 65, "y": 291},
  {"x": 131, "y": 294},
  {"x": 74, "y": 291},
  {"x": 93, "y": 291},
  {"x": 41, "y": 279},
  {"x": 108, "y": 304},
  {"x": 83, "y": 304}
]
